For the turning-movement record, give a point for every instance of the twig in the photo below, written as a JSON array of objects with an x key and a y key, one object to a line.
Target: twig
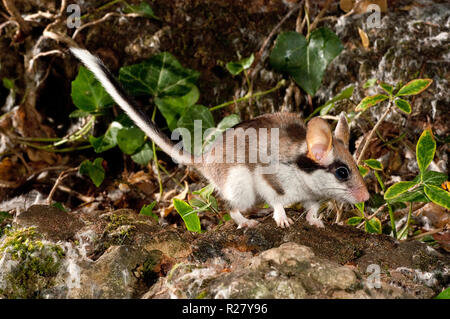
[
  {"x": 266, "y": 42},
  {"x": 104, "y": 18},
  {"x": 51, "y": 52},
  {"x": 248, "y": 96},
  {"x": 15, "y": 14},
  {"x": 431, "y": 232},
  {"x": 320, "y": 15},
  {"x": 61, "y": 176},
  {"x": 372, "y": 132}
]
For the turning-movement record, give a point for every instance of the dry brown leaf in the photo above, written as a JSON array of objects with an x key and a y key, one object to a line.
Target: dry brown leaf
[
  {"x": 347, "y": 5},
  {"x": 364, "y": 38},
  {"x": 166, "y": 211}
]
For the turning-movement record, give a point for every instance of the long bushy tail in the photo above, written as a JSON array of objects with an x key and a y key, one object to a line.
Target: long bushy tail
[{"x": 113, "y": 87}]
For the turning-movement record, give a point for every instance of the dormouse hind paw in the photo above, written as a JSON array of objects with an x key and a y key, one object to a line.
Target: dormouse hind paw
[{"x": 249, "y": 223}]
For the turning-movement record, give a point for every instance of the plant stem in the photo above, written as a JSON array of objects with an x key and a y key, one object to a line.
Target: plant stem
[
  {"x": 391, "y": 213},
  {"x": 372, "y": 132},
  {"x": 249, "y": 96},
  {"x": 155, "y": 158}
]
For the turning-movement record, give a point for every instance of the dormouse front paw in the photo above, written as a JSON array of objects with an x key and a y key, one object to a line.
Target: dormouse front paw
[{"x": 281, "y": 219}]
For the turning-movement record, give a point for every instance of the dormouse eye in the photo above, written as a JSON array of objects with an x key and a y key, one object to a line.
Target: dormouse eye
[{"x": 342, "y": 173}]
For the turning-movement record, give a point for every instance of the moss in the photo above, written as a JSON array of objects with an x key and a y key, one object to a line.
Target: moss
[
  {"x": 36, "y": 263},
  {"x": 119, "y": 229}
]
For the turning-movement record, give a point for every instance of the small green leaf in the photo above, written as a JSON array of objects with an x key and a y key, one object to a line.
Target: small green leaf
[
  {"x": 237, "y": 67},
  {"x": 425, "y": 148},
  {"x": 94, "y": 170},
  {"x": 403, "y": 105},
  {"x": 373, "y": 226},
  {"x": 142, "y": 9},
  {"x": 147, "y": 210},
  {"x": 363, "y": 170},
  {"x": 386, "y": 87},
  {"x": 8, "y": 83},
  {"x": 438, "y": 195},
  {"x": 360, "y": 207},
  {"x": 445, "y": 294},
  {"x": 59, "y": 206},
  {"x": 374, "y": 164},
  {"x": 87, "y": 92},
  {"x": 189, "y": 215},
  {"x": 398, "y": 189},
  {"x": 354, "y": 221},
  {"x": 370, "y": 101},
  {"x": 369, "y": 83},
  {"x": 329, "y": 105},
  {"x": 79, "y": 113},
  {"x": 414, "y": 87},
  {"x": 130, "y": 139},
  {"x": 416, "y": 195},
  {"x": 143, "y": 155}
]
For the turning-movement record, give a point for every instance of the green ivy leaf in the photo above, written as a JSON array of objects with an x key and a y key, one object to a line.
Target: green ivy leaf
[
  {"x": 172, "y": 107},
  {"x": 94, "y": 170},
  {"x": 147, "y": 210},
  {"x": 374, "y": 164},
  {"x": 237, "y": 67},
  {"x": 373, "y": 226},
  {"x": 161, "y": 75},
  {"x": 398, "y": 189},
  {"x": 224, "y": 124},
  {"x": 130, "y": 139},
  {"x": 87, "y": 92},
  {"x": 386, "y": 87},
  {"x": 288, "y": 52},
  {"x": 414, "y": 87},
  {"x": 108, "y": 140},
  {"x": 403, "y": 105},
  {"x": 425, "y": 148},
  {"x": 189, "y": 215},
  {"x": 195, "y": 113},
  {"x": 354, "y": 221},
  {"x": 438, "y": 195},
  {"x": 369, "y": 101},
  {"x": 143, "y": 155},
  {"x": 306, "y": 60}
]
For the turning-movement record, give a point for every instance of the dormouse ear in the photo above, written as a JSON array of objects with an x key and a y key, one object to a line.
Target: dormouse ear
[
  {"x": 318, "y": 139},
  {"x": 342, "y": 131}
]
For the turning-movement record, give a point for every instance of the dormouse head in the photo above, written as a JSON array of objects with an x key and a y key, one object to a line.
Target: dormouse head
[{"x": 337, "y": 175}]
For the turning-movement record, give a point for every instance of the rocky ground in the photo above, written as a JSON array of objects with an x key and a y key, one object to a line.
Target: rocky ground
[{"x": 48, "y": 253}]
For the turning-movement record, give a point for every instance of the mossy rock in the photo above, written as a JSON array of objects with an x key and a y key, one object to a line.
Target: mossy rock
[{"x": 29, "y": 264}]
